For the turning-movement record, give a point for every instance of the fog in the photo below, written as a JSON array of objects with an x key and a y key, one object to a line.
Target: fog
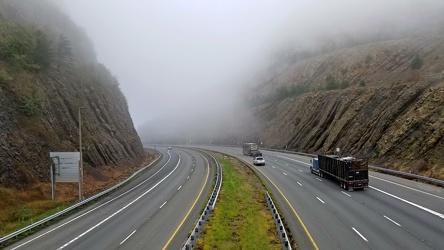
[{"x": 184, "y": 66}]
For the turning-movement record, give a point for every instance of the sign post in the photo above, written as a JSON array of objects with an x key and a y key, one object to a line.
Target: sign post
[{"x": 65, "y": 167}]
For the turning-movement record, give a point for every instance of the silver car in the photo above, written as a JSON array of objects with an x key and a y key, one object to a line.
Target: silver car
[{"x": 259, "y": 160}]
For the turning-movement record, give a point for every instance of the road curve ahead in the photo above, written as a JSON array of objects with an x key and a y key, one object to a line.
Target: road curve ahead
[
  {"x": 155, "y": 211},
  {"x": 394, "y": 213}
]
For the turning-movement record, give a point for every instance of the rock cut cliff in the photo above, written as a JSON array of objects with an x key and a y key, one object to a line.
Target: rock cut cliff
[
  {"x": 389, "y": 111},
  {"x": 45, "y": 80}
]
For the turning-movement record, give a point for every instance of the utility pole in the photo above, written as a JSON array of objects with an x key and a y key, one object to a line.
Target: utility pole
[{"x": 81, "y": 158}]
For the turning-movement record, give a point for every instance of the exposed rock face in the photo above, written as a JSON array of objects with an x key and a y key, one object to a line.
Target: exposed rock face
[
  {"x": 397, "y": 120},
  {"x": 109, "y": 137},
  {"x": 39, "y": 105}
]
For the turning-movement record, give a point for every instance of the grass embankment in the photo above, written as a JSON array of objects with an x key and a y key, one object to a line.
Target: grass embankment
[
  {"x": 241, "y": 219},
  {"x": 20, "y": 208}
]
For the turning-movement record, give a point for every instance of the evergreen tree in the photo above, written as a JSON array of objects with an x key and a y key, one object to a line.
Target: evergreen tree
[
  {"x": 331, "y": 83},
  {"x": 417, "y": 62},
  {"x": 43, "y": 52},
  {"x": 64, "y": 52}
]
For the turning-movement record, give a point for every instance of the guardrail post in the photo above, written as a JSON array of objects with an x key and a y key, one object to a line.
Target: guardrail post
[{"x": 193, "y": 239}]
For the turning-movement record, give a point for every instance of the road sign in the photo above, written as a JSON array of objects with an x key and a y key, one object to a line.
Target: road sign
[{"x": 65, "y": 166}]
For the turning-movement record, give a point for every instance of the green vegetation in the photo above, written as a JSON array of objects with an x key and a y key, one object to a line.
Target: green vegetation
[
  {"x": 20, "y": 208},
  {"x": 280, "y": 93},
  {"x": 417, "y": 62},
  {"x": 43, "y": 51},
  {"x": 368, "y": 59},
  {"x": 241, "y": 219},
  {"x": 362, "y": 83},
  {"x": 64, "y": 52},
  {"x": 5, "y": 79},
  {"x": 28, "y": 48},
  {"x": 289, "y": 91},
  {"x": 331, "y": 83},
  {"x": 344, "y": 71},
  {"x": 297, "y": 120},
  {"x": 31, "y": 106},
  {"x": 345, "y": 84}
]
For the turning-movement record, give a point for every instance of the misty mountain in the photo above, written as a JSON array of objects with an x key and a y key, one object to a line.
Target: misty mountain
[
  {"x": 381, "y": 100},
  {"x": 370, "y": 85},
  {"x": 48, "y": 72}
]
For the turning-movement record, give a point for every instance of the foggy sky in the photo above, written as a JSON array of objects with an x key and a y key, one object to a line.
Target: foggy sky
[{"x": 185, "y": 59}]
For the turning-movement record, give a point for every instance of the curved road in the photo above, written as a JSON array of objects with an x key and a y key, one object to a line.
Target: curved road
[
  {"x": 394, "y": 213},
  {"x": 155, "y": 211}
]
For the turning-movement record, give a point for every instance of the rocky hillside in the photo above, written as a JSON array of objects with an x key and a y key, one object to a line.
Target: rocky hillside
[
  {"x": 48, "y": 72},
  {"x": 373, "y": 100}
]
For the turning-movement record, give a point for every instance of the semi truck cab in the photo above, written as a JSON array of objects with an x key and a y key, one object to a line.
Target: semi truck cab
[{"x": 314, "y": 167}]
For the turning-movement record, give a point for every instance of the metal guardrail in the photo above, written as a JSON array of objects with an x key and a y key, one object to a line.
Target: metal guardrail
[
  {"x": 279, "y": 225},
  {"x": 409, "y": 175},
  {"x": 385, "y": 170},
  {"x": 196, "y": 233},
  {"x": 73, "y": 207},
  {"x": 278, "y": 221}
]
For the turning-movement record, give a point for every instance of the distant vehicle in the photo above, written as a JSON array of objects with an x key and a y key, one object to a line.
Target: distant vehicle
[
  {"x": 259, "y": 161},
  {"x": 169, "y": 148},
  {"x": 252, "y": 149},
  {"x": 351, "y": 173},
  {"x": 256, "y": 153}
]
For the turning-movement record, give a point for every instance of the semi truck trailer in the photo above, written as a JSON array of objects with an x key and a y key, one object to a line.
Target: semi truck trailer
[
  {"x": 252, "y": 149},
  {"x": 352, "y": 173}
]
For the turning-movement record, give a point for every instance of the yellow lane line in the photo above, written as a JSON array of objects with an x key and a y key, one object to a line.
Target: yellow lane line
[
  {"x": 294, "y": 211},
  {"x": 195, "y": 201}
]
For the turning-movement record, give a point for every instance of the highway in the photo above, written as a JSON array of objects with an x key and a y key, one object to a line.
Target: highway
[
  {"x": 393, "y": 213},
  {"x": 155, "y": 211}
]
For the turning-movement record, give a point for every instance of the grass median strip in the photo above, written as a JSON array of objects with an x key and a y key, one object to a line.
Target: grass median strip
[{"x": 241, "y": 219}]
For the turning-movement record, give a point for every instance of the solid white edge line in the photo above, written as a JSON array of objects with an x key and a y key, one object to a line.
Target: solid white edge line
[
  {"x": 345, "y": 193},
  {"x": 362, "y": 236},
  {"x": 320, "y": 200},
  {"x": 41, "y": 235},
  {"x": 123, "y": 241},
  {"x": 179, "y": 188},
  {"x": 394, "y": 183},
  {"x": 411, "y": 203},
  {"x": 299, "y": 184},
  {"x": 396, "y": 223},
  {"x": 163, "y": 205},
  {"x": 120, "y": 210}
]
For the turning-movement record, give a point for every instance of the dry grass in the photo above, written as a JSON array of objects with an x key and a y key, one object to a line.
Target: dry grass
[{"x": 20, "y": 208}]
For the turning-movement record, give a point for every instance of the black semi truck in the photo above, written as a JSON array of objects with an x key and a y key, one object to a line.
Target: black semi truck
[{"x": 351, "y": 173}]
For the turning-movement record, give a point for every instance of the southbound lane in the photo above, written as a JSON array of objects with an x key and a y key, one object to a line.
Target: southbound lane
[
  {"x": 154, "y": 211},
  {"x": 393, "y": 213}
]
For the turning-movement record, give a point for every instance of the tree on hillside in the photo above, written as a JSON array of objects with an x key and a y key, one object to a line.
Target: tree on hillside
[
  {"x": 43, "y": 52},
  {"x": 417, "y": 62},
  {"x": 330, "y": 83},
  {"x": 64, "y": 52},
  {"x": 17, "y": 44}
]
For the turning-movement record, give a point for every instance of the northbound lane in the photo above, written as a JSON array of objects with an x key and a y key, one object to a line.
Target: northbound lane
[{"x": 393, "y": 213}]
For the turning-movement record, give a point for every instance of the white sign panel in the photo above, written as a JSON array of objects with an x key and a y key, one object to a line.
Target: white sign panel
[{"x": 66, "y": 166}]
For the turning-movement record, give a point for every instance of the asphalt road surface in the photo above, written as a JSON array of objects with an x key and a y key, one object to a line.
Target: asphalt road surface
[
  {"x": 393, "y": 213},
  {"x": 155, "y": 211}
]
